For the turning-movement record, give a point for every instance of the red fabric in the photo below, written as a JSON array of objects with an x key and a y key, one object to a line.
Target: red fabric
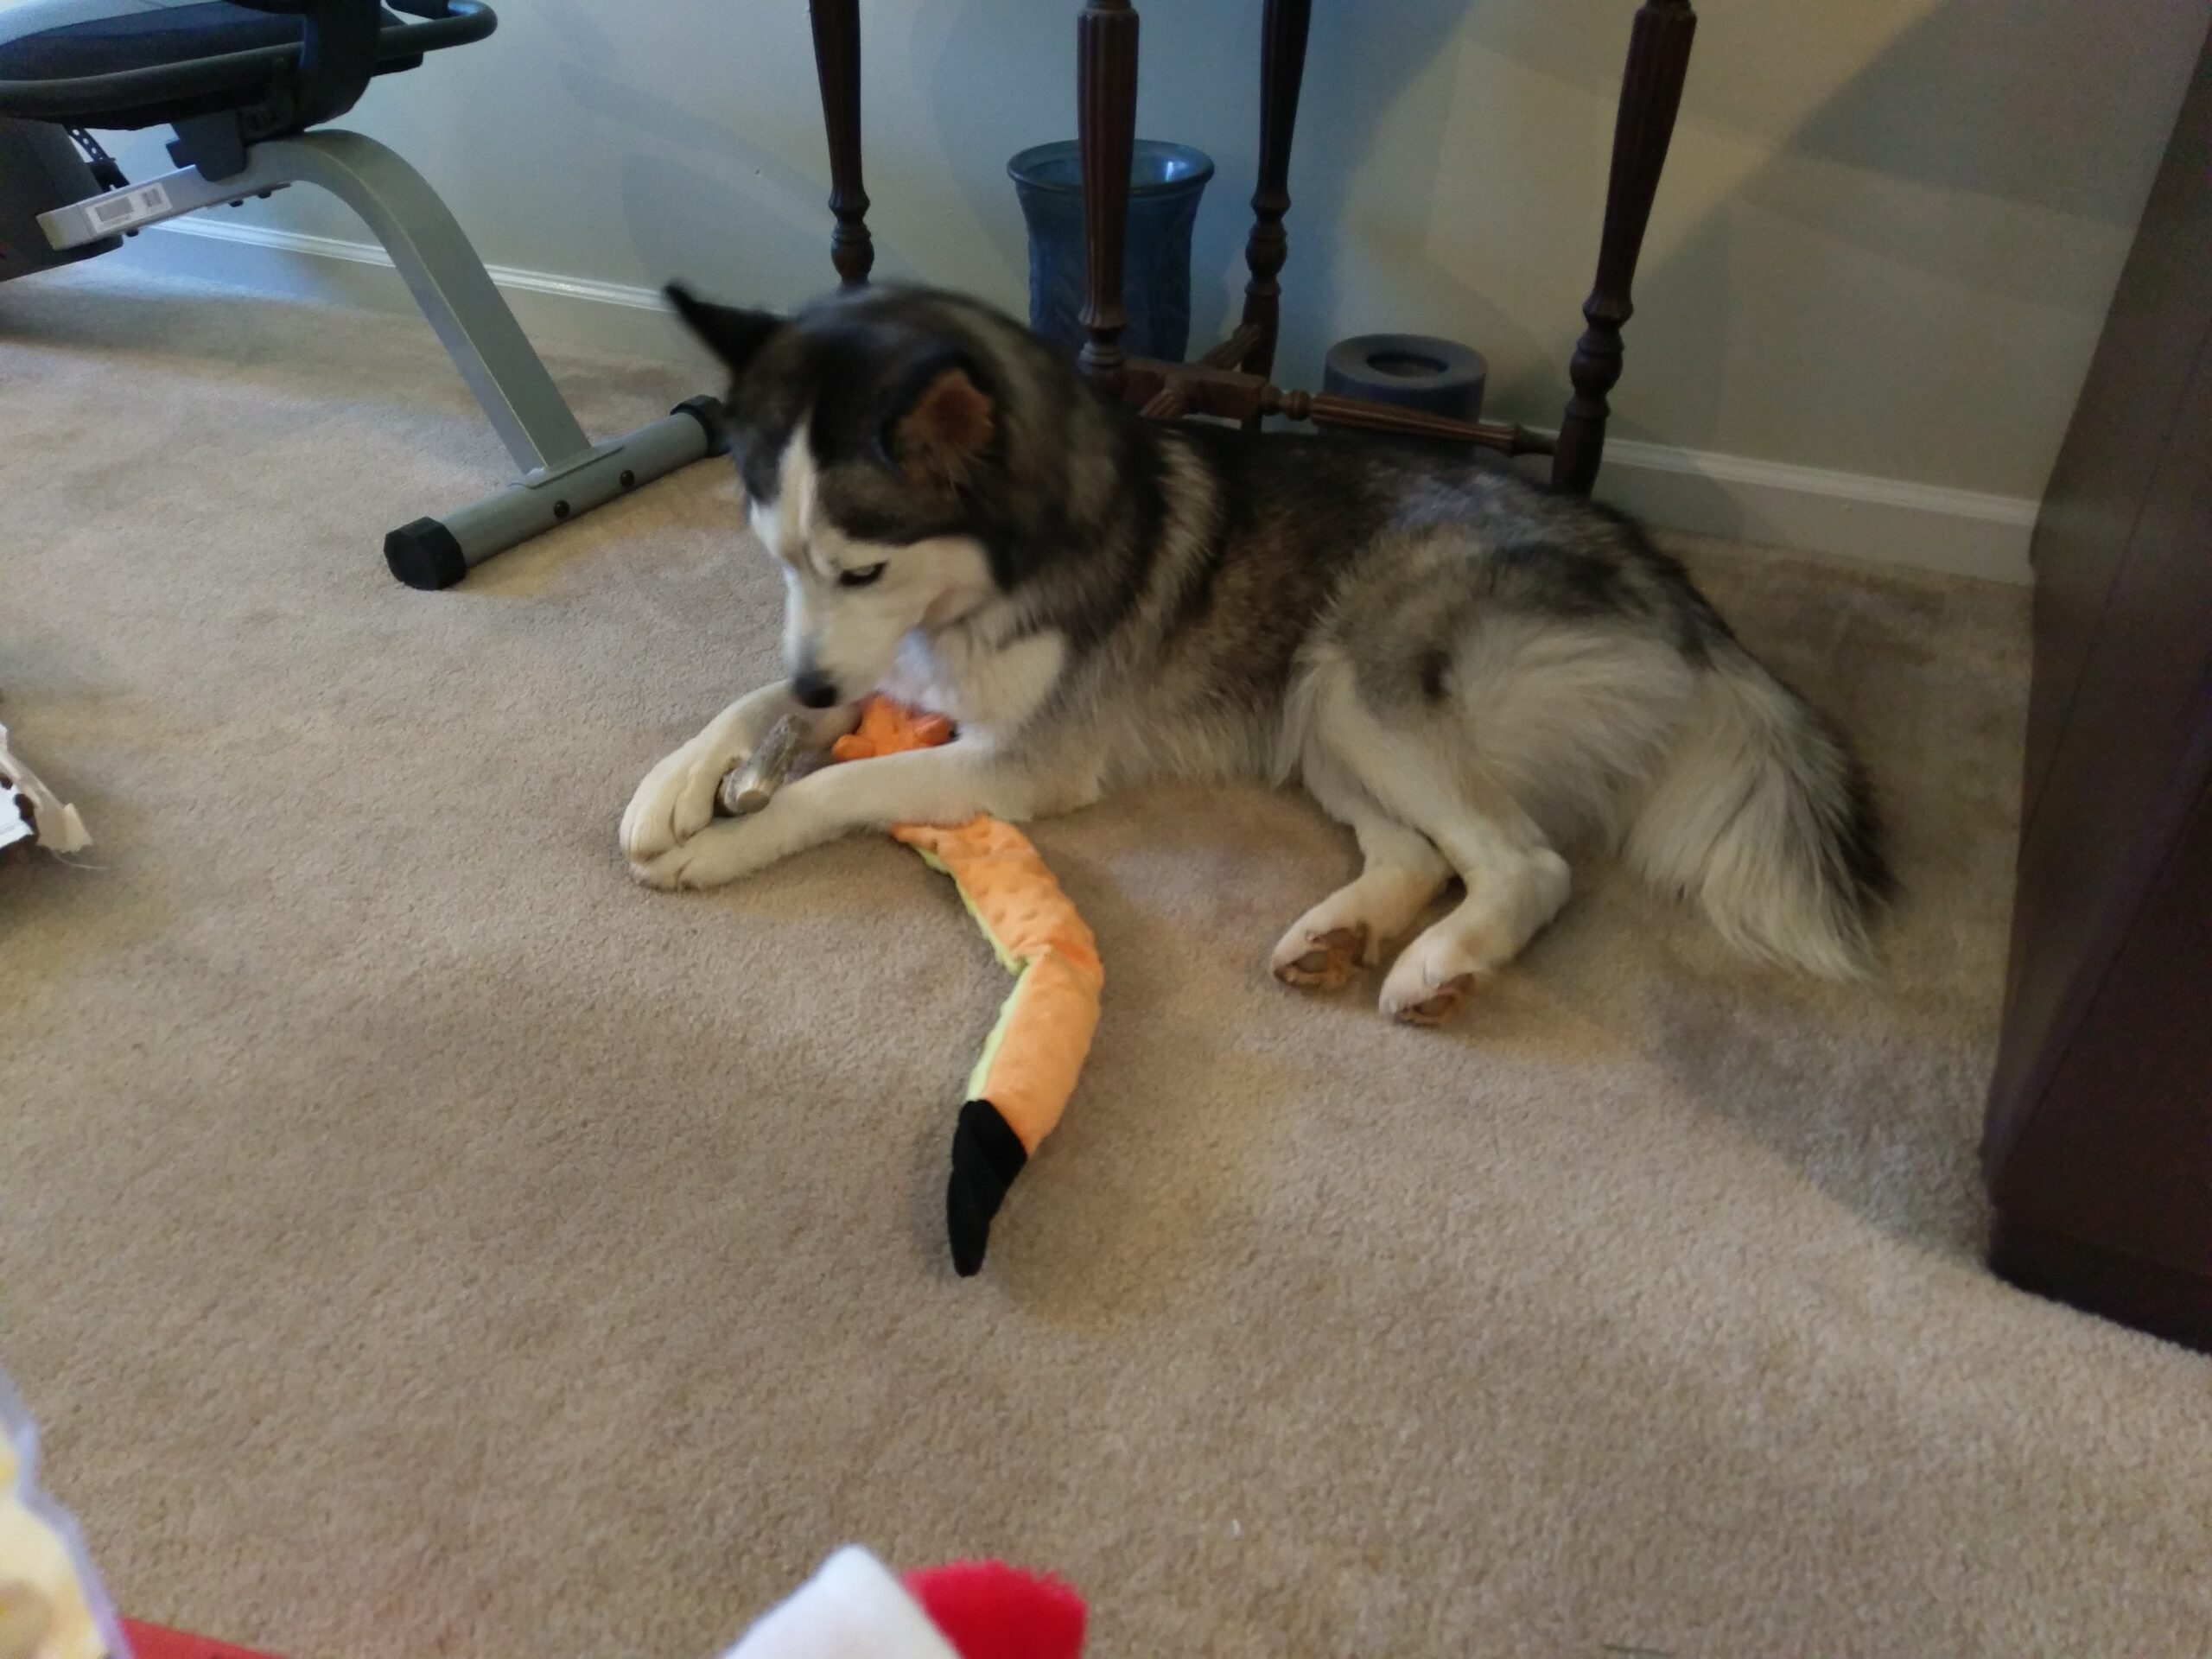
[
  {"x": 154, "y": 1641},
  {"x": 990, "y": 1611}
]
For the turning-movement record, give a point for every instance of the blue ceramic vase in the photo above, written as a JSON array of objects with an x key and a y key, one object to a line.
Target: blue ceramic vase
[{"x": 1166, "y": 181}]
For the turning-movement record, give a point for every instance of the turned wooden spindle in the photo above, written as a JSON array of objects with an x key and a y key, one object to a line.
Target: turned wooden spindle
[
  {"x": 1168, "y": 391},
  {"x": 1651, "y": 92},
  {"x": 837, "y": 65},
  {"x": 1282, "y": 70},
  {"x": 1358, "y": 415},
  {"x": 1170, "y": 403},
  {"x": 1106, "y": 125},
  {"x": 1231, "y": 352}
]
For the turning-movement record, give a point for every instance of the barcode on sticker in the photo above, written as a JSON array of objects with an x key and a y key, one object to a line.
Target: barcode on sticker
[{"x": 130, "y": 208}]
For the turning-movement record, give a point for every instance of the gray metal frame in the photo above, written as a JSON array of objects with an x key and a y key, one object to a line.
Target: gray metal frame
[{"x": 563, "y": 472}]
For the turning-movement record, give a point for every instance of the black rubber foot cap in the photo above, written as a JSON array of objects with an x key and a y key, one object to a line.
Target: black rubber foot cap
[
  {"x": 424, "y": 555},
  {"x": 707, "y": 411},
  {"x": 986, "y": 1157}
]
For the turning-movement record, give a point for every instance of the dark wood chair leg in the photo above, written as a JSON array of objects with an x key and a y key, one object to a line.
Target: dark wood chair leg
[
  {"x": 1651, "y": 92},
  {"x": 1106, "y": 111},
  {"x": 1282, "y": 69},
  {"x": 837, "y": 63}
]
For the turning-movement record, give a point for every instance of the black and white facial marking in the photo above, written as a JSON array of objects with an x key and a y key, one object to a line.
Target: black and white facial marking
[
  {"x": 862, "y": 434},
  {"x": 848, "y": 601}
]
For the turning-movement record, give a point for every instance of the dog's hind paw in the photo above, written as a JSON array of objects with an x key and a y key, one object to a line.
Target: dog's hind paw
[
  {"x": 1438, "y": 1005},
  {"x": 1432, "y": 977},
  {"x": 1319, "y": 962}
]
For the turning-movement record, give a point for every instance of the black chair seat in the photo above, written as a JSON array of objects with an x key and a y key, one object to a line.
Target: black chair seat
[
  {"x": 141, "y": 63},
  {"x": 62, "y": 40}
]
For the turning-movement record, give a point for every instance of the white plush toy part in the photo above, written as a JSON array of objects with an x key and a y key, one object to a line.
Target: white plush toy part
[
  {"x": 51, "y": 1604},
  {"x": 855, "y": 1608}
]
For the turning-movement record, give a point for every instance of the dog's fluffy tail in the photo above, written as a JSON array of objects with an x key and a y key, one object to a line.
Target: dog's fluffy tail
[{"x": 1765, "y": 816}]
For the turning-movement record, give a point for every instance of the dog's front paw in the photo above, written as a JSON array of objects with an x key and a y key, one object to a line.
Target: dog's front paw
[
  {"x": 675, "y": 802},
  {"x": 720, "y": 852}
]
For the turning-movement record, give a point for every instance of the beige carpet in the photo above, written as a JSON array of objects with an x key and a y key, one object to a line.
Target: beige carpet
[{"x": 420, "y": 1240}]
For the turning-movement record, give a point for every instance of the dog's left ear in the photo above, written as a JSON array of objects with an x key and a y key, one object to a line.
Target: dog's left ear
[
  {"x": 940, "y": 426},
  {"x": 731, "y": 334}
]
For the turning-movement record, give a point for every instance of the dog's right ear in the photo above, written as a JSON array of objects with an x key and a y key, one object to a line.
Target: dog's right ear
[{"x": 731, "y": 334}]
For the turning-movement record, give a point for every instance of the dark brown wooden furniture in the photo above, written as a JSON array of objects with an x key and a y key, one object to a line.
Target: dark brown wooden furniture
[
  {"x": 837, "y": 65},
  {"x": 1231, "y": 381},
  {"x": 2098, "y": 1147}
]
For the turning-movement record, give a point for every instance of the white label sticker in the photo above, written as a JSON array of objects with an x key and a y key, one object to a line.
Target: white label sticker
[{"x": 131, "y": 207}]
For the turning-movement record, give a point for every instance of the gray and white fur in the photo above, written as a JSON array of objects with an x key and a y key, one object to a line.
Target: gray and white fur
[{"x": 1471, "y": 672}]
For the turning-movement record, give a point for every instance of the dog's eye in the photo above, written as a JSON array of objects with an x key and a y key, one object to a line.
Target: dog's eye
[{"x": 859, "y": 578}]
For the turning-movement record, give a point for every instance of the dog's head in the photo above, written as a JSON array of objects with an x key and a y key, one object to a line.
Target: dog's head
[{"x": 871, "y": 432}]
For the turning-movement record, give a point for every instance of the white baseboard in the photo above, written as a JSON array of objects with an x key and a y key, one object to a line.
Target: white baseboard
[
  {"x": 1886, "y": 520},
  {"x": 606, "y": 316},
  {"x": 1806, "y": 509}
]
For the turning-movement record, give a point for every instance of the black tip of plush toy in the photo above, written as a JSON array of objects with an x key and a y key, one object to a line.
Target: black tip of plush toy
[{"x": 986, "y": 1157}]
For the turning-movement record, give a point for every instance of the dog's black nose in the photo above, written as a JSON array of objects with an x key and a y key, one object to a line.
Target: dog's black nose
[{"x": 814, "y": 688}]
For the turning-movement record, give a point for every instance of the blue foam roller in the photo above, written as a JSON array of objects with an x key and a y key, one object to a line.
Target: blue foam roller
[{"x": 1440, "y": 377}]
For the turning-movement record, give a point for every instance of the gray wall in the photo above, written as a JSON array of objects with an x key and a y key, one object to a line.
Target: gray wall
[{"x": 1884, "y": 243}]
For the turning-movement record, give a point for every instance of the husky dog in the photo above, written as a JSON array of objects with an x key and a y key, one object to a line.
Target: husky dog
[{"x": 1469, "y": 671}]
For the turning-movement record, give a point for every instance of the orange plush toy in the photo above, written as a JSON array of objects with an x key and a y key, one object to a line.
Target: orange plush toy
[{"x": 1029, "y": 1066}]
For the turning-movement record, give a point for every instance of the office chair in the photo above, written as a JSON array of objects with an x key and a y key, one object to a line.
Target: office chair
[{"x": 243, "y": 82}]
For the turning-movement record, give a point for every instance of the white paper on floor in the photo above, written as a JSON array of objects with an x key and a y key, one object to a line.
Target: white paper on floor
[{"x": 29, "y": 812}]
